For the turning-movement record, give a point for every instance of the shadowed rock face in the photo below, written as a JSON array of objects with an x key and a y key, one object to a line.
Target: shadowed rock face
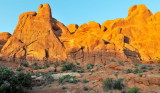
[
  {"x": 4, "y": 36},
  {"x": 39, "y": 36}
]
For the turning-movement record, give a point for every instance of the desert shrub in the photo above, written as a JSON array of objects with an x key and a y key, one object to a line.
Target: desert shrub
[
  {"x": 92, "y": 91},
  {"x": 78, "y": 63},
  {"x": 90, "y": 66},
  {"x": 137, "y": 70},
  {"x": 80, "y": 71},
  {"x": 85, "y": 88},
  {"x": 47, "y": 65},
  {"x": 121, "y": 63},
  {"x": 48, "y": 78},
  {"x": 110, "y": 84},
  {"x": 118, "y": 84},
  {"x": 136, "y": 64},
  {"x": 19, "y": 69},
  {"x": 68, "y": 66},
  {"x": 151, "y": 67},
  {"x": 134, "y": 90},
  {"x": 36, "y": 66},
  {"x": 24, "y": 79},
  {"x": 11, "y": 82},
  {"x": 140, "y": 74},
  {"x": 112, "y": 60},
  {"x": 144, "y": 66},
  {"x": 56, "y": 64},
  {"x": 126, "y": 71},
  {"x": 85, "y": 80},
  {"x": 25, "y": 64},
  {"x": 69, "y": 79}
]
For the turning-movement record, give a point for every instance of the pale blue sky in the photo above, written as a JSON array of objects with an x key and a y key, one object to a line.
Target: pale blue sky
[{"x": 71, "y": 11}]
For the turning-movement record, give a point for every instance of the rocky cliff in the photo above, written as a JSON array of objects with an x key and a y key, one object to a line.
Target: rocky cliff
[
  {"x": 36, "y": 37},
  {"x": 39, "y": 36}
]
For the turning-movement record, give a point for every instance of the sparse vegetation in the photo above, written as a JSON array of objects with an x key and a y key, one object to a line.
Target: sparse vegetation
[
  {"x": 121, "y": 63},
  {"x": 19, "y": 69},
  {"x": 69, "y": 79},
  {"x": 137, "y": 70},
  {"x": 80, "y": 71},
  {"x": 134, "y": 90},
  {"x": 85, "y": 88},
  {"x": 143, "y": 66},
  {"x": 49, "y": 79},
  {"x": 112, "y": 60},
  {"x": 110, "y": 84},
  {"x": 126, "y": 71},
  {"x": 56, "y": 64},
  {"x": 85, "y": 80},
  {"x": 90, "y": 66},
  {"x": 36, "y": 66},
  {"x": 140, "y": 74},
  {"x": 136, "y": 64},
  {"x": 25, "y": 64},
  {"x": 68, "y": 66}
]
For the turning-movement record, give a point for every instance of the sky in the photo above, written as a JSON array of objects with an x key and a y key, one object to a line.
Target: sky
[{"x": 71, "y": 11}]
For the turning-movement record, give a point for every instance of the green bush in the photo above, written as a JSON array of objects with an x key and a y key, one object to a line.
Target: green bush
[
  {"x": 134, "y": 90},
  {"x": 80, "y": 71},
  {"x": 68, "y": 66},
  {"x": 90, "y": 66},
  {"x": 85, "y": 80},
  {"x": 11, "y": 82},
  {"x": 19, "y": 69},
  {"x": 48, "y": 77},
  {"x": 25, "y": 64},
  {"x": 36, "y": 66},
  {"x": 85, "y": 88},
  {"x": 118, "y": 84},
  {"x": 47, "y": 65},
  {"x": 69, "y": 79},
  {"x": 24, "y": 79},
  {"x": 121, "y": 63},
  {"x": 138, "y": 70},
  {"x": 144, "y": 66},
  {"x": 126, "y": 71},
  {"x": 112, "y": 60},
  {"x": 136, "y": 64},
  {"x": 110, "y": 84}
]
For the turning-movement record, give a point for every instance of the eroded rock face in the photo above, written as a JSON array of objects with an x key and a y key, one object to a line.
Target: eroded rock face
[
  {"x": 72, "y": 28},
  {"x": 39, "y": 36},
  {"x": 34, "y": 37},
  {"x": 140, "y": 33},
  {"x": 133, "y": 38},
  {"x": 4, "y": 36}
]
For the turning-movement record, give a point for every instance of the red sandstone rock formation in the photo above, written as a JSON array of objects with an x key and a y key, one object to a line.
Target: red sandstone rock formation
[
  {"x": 39, "y": 36},
  {"x": 36, "y": 37},
  {"x": 4, "y": 36}
]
